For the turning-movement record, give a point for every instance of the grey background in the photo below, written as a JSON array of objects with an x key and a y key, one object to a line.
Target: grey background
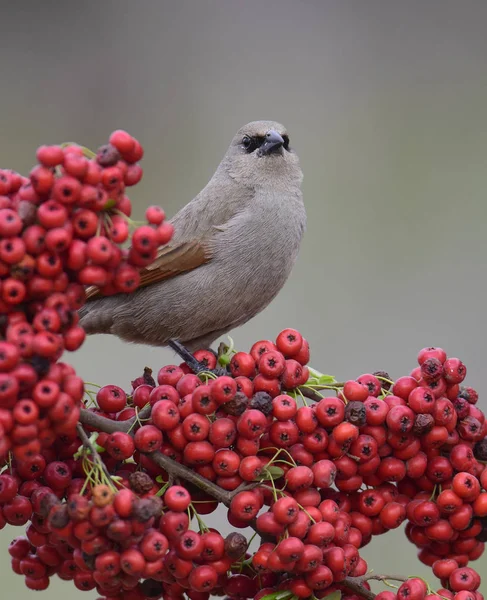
[{"x": 386, "y": 104}]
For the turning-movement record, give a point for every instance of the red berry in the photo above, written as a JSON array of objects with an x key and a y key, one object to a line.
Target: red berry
[
  {"x": 245, "y": 506},
  {"x": 50, "y": 156},
  {"x": 203, "y": 578},
  {"x": 165, "y": 415},
  {"x": 260, "y": 348},
  {"x": 177, "y": 498},
  {"x": 148, "y": 438},
  {"x": 122, "y": 141},
  {"x": 454, "y": 371},
  {"x": 165, "y": 231},
  {"x": 66, "y": 189},
  {"x": 431, "y": 352},
  {"x": 120, "y": 445},
  {"x": 289, "y": 342},
  {"x": 111, "y": 398}
]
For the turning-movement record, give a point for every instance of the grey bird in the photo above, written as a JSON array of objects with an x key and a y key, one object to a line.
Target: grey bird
[{"x": 233, "y": 249}]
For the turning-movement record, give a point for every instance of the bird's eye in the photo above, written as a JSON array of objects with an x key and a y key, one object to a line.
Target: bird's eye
[
  {"x": 252, "y": 143},
  {"x": 286, "y": 142}
]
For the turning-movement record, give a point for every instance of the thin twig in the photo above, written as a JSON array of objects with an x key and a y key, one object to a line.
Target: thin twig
[
  {"x": 245, "y": 487},
  {"x": 310, "y": 394},
  {"x": 94, "y": 454},
  {"x": 313, "y": 393},
  {"x": 376, "y": 577}
]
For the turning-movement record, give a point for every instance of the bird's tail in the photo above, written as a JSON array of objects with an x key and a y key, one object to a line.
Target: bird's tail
[{"x": 94, "y": 318}]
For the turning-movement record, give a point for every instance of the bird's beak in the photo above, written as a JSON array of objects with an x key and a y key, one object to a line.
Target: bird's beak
[{"x": 273, "y": 143}]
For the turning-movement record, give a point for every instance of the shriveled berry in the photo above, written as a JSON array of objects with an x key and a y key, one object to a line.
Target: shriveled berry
[
  {"x": 423, "y": 423},
  {"x": 261, "y": 401},
  {"x": 140, "y": 482},
  {"x": 107, "y": 155},
  {"x": 355, "y": 413}
]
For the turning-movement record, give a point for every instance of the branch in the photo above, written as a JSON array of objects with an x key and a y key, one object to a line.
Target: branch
[
  {"x": 313, "y": 393},
  {"x": 178, "y": 470},
  {"x": 175, "y": 469},
  {"x": 95, "y": 421},
  {"x": 91, "y": 419},
  {"x": 172, "y": 467},
  {"x": 356, "y": 584}
]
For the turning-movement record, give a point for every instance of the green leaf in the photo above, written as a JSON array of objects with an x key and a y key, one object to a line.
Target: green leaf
[
  {"x": 317, "y": 378},
  {"x": 326, "y": 380},
  {"x": 224, "y": 360},
  {"x": 78, "y": 453},
  {"x": 269, "y": 596},
  {"x": 271, "y": 472},
  {"x": 110, "y": 203},
  {"x": 283, "y": 595},
  {"x": 86, "y": 151},
  {"x": 336, "y": 595}
]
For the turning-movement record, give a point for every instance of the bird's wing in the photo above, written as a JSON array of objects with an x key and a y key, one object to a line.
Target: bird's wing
[{"x": 169, "y": 262}]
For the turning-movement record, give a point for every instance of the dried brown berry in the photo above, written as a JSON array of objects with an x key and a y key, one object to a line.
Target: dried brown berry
[
  {"x": 262, "y": 401},
  {"x": 107, "y": 156},
  {"x": 235, "y": 545},
  {"x": 148, "y": 379},
  {"x": 355, "y": 413},
  {"x": 482, "y": 536},
  {"x": 480, "y": 452},
  {"x": 381, "y": 375},
  {"x": 146, "y": 508},
  {"x": 151, "y": 588},
  {"x": 423, "y": 424},
  {"x": 47, "y": 502},
  {"x": 58, "y": 516},
  {"x": 469, "y": 394},
  {"x": 141, "y": 483},
  {"x": 237, "y": 406}
]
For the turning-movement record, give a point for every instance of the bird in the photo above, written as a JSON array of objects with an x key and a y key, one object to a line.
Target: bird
[{"x": 233, "y": 248}]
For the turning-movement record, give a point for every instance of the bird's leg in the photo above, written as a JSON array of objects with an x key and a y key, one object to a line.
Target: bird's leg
[
  {"x": 191, "y": 361},
  {"x": 186, "y": 355}
]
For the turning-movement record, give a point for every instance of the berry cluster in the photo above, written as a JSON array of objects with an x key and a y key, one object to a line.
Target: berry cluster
[
  {"x": 315, "y": 480},
  {"x": 113, "y": 485},
  {"x": 61, "y": 229}
]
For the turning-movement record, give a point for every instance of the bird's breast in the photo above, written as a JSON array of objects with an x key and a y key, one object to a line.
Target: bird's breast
[{"x": 258, "y": 250}]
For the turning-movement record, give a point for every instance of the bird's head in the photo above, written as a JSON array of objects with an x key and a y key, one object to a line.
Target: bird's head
[{"x": 260, "y": 154}]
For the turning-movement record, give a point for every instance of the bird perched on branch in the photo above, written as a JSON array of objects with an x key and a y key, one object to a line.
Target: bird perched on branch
[{"x": 233, "y": 249}]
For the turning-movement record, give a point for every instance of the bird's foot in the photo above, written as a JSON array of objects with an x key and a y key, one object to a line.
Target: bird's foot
[{"x": 196, "y": 366}]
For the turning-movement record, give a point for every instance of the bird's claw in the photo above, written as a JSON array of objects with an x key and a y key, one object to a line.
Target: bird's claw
[
  {"x": 218, "y": 371},
  {"x": 195, "y": 366}
]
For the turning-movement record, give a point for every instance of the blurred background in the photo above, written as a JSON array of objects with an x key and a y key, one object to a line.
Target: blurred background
[{"x": 386, "y": 106}]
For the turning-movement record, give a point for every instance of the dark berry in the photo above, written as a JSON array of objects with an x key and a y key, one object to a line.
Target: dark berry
[
  {"x": 262, "y": 401},
  {"x": 355, "y": 413}
]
